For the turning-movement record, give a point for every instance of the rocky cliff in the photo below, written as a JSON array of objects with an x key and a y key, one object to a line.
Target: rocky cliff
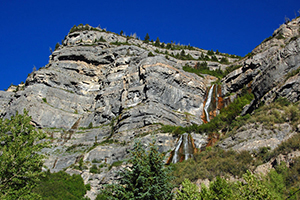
[
  {"x": 101, "y": 91},
  {"x": 97, "y": 82}
]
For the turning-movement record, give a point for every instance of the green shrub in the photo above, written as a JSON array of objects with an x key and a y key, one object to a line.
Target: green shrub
[
  {"x": 61, "y": 185},
  {"x": 94, "y": 169},
  {"x": 203, "y": 69},
  {"x": 88, "y": 187},
  {"x": 90, "y": 125},
  {"x": 189, "y": 191},
  {"x": 56, "y": 46},
  {"x": 116, "y": 164},
  {"x": 150, "y": 54}
]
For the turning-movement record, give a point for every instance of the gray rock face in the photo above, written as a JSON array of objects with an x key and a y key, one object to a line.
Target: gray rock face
[
  {"x": 5, "y": 100},
  {"x": 97, "y": 84}
]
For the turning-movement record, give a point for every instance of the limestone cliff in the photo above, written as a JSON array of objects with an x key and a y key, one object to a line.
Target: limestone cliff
[
  {"x": 101, "y": 91},
  {"x": 97, "y": 82}
]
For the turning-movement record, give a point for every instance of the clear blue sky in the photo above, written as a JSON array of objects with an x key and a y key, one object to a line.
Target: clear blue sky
[{"x": 28, "y": 28}]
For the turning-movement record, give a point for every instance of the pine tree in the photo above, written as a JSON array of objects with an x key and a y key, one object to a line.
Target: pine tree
[
  {"x": 147, "y": 38},
  {"x": 146, "y": 178},
  {"x": 157, "y": 42}
]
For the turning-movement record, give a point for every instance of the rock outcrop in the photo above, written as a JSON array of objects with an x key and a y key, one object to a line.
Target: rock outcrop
[{"x": 270, "y": 69}]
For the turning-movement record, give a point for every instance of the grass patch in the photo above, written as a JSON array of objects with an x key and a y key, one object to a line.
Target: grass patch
[{"x": 116, "y": 164}]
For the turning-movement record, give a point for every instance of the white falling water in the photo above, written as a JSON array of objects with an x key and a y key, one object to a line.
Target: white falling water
[
  {"x": 208, "y": 101},
  {"x": 175, "y": 158},
  {"x": 186, "y": 146}
]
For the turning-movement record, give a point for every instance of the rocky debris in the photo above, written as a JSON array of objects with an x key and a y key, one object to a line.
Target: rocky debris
[{"x": 251, "y": 137}]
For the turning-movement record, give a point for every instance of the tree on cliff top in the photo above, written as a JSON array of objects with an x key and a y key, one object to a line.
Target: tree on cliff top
[
  {"x": 146, "y": 178},
  {"x": 20, "y": 162},
  {"x": 147, "y": 38}
]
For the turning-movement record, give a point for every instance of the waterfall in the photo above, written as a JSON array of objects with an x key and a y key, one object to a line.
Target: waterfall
[
  {"x": 175, "y": 156},
  {"x": 184, "y": 149},
  {"x": 208, "y": 101},
  {"x": 186, "y": 146}
]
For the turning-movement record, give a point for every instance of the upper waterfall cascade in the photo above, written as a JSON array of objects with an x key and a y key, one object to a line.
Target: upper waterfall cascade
[{"x": 208, "y": 101}]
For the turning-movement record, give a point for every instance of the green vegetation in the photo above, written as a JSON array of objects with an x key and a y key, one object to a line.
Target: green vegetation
[
  {"x": 101, "y": 39},
  {"x": 61, "y": 185},
  {"x": 211, "y": 163},
  {"x": 82, "y": 27},
  {"x": 292, "y": 73},
  {"x": 280, "y": 36},
  {"x": 267, "y": 39},
  {"x": 157, "y": 42},
  {"x": 90, "y": 125},
  {"x": 202, "y": 68},
  {"x": 147, "y": 38},
  {"x": 116, "y": 164},
  {"x": 278, "y": 112},
  {"x": 146, "y": 178},
  {"x": 189, "y": 191},
  {"x": 20, "y": 162},
  {"x": 150, "y": 54},
  {"x": 56, "y": 46},
  {"x": 281, "y": 183},
  {"x": 120, "y": 43},
  {"x": 94, "y": 169},
  {"x": 44, "y": 100}
]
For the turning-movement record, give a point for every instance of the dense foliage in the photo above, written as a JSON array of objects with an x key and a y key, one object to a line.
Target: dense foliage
[
  {"x": 145, "y": 178},
  {"x": 20, "y": 162},
  {"x": 60, "y": 185},
  {"x": 275, "y": 185}
]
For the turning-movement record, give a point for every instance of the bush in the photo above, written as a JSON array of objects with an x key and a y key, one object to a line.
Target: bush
[
  {"x": 90, "y": 125},
  {"x": 150, "y": 54},
  {"x": 189, "y": 191},
  {"x": 94, "y": 169},
  {"x": 61, "y": 185}
]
